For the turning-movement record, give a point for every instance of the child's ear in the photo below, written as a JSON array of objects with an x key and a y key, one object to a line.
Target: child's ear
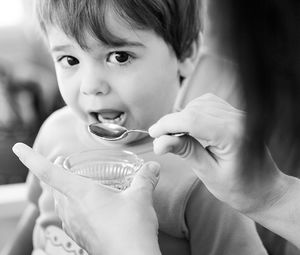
[{"x": 188, "y": 64}]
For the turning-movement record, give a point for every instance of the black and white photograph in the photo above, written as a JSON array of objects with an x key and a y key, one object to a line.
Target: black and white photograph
[{"x": 149, "y": 127}]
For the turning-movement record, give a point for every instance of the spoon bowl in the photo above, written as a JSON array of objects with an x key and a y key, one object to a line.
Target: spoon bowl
[{"x": 114, "y": 132}]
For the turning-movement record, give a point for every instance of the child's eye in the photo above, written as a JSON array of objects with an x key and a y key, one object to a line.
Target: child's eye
[
  {"x": 68, "y": 61},
  {"x": 119, "y": 57}
]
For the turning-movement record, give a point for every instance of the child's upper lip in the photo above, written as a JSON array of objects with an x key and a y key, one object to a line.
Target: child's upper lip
[{"x": 106, "y": 111}]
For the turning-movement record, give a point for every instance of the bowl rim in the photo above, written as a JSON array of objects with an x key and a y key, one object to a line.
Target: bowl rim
[{"x": 138, "y": 161}]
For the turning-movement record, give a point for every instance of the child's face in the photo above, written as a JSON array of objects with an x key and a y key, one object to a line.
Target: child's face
[{"x": 132, "y": 85}]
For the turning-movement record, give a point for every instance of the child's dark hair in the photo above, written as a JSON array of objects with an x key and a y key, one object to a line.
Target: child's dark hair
[{"x": 176, "y": 21}]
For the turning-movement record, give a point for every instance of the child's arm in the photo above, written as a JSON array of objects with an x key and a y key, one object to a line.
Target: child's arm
[{"x": 21, "y": 242}]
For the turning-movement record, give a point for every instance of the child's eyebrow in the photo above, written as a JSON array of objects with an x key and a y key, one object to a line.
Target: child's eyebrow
[
  {"x": 124, "y": 43},
  {"x": 60, "y": 48},
  {"x": 120, "y": 43}
]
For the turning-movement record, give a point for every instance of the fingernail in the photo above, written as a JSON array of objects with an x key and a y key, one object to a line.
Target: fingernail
[
  {"x": 59, "y": 161},
  {"x": 154, "y": 167},
  {"x": 16, "y": 149},
  {"x": 151, "y": 129}
]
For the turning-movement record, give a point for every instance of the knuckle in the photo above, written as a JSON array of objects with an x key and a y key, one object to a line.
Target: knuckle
[
  {"x": 164, "y": 119},
  {"x": 192, "y": 117},
  {"x": 45, "y": 176},
  {"x": 208, "y": 96}
]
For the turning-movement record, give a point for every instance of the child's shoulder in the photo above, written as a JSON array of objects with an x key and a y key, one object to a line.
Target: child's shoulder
[
  {"x": 59, "y": 126},
  {"x": 60, "y": 119}
]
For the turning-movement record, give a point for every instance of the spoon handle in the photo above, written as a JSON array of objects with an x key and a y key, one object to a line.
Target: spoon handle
[
  {"x": 146, "y": 132},
  {"x": 137, "y": 130}
]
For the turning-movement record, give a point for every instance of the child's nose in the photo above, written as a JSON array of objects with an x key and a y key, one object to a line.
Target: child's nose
[{"x": 94, "y": 86}]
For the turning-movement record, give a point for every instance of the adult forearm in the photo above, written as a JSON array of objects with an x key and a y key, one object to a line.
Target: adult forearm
[{"x": 282, "y": 216}]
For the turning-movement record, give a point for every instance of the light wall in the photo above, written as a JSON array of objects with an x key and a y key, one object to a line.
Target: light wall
[{"x": 23, "y": 52}]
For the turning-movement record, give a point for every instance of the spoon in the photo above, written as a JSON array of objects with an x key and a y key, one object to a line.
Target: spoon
[{"x": 114, "y": 132}]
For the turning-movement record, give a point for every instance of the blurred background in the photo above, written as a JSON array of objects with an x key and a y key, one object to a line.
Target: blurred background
[
  {"x": 28, "y": 94},
  {"x": 28, "y": 90}
]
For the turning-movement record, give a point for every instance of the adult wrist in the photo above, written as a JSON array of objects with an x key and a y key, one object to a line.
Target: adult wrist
[
  {"x": 271, "y": 196},
  {"x": 265, "y": 186},
  {"x": 281, "y": 216}
]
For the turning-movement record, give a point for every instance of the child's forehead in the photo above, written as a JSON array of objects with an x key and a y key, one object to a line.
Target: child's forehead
[
  {"x": 176, "y": 22},
  {"x": 118, "y": 31},
  {"x": 127, "y": 37}
]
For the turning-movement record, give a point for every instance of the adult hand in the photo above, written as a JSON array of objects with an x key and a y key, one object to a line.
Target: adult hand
[
  {"x": 100, "y": 219},
  {"x": 214, "y": 150}
]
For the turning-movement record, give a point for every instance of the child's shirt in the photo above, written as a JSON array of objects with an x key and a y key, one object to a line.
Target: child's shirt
[{"x": 191, "y": 220}]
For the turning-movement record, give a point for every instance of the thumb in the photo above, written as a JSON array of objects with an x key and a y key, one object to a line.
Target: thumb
[
  {"x": 147, "y": 177},
  {"x": 59, "y": 161}
]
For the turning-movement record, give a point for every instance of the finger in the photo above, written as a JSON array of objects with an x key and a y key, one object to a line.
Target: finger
[
  {"x": 210, "y": 98},
  {"x": 162, "y": 128},
  {"x": 176, "y": 145},
  {"x": 188, "y": 148},
  {"x": 147, "y": 177},
  {"x": 57, "y": 207},
  {"x": 197, "y": 118},
  {"x": 55, "y": 176},
  {"x": 166, "y": 143},
  {"x": 59, "y": 201},
  {"x": 202, "y": 126},
  {"x": 191, "y": 121},
  {"x": 210, "y": 101},
  {"x": 40, "y": 166}
]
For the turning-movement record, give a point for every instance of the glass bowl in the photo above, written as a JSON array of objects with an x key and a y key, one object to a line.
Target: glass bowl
[{"x": 114, "y": 168}]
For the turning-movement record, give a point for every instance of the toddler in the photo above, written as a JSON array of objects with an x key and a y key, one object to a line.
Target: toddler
[{"x": 122, "y": 62}]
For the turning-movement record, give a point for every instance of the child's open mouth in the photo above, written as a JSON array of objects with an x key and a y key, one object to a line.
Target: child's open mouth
[{"x": 109, "y": 116}]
